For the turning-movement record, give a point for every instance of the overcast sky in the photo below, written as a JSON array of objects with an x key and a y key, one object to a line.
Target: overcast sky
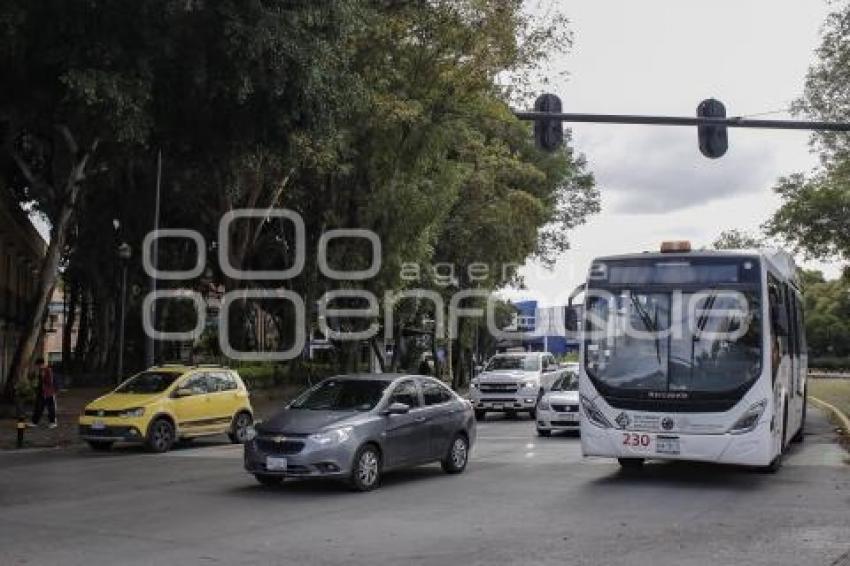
[{"x": 664, "y": 57}]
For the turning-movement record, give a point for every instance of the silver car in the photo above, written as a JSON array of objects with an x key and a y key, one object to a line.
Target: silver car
[
  {"x": 356, "y": 427},
  {"x": 558, "y": 409}
]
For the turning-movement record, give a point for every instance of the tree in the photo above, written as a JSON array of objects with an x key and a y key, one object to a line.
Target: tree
[
  {"x": 812, "y": 217},
  {"x": 735, "y": 239}
]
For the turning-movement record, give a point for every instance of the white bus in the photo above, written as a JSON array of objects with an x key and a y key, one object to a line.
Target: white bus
[{"x": 693, "y": 355}]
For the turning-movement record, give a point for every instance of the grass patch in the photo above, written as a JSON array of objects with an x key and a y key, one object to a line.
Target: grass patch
[{"x": 833, "y": 391}]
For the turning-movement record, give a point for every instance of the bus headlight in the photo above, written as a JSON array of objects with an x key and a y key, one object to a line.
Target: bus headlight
[
  {"x": 749, "y": 419},
  {"x": 593, "y": 414}
]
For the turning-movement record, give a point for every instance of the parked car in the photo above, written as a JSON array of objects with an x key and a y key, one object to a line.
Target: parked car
[
  {"x": 356, "y": 427},
  {"x": 559, "y": 407},
  {"x": 513, "y": 382},
  {"x": 168, "y": 403}
]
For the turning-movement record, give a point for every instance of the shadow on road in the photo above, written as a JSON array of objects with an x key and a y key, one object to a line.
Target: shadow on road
[
  {"x": 697, "y": 475},
  {"x": 311, "y": 488}
]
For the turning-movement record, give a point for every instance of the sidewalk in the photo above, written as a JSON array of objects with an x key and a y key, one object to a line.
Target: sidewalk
[{"x": 70, "y": 404}]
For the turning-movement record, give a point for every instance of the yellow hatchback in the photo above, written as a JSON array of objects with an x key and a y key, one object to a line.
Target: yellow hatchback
[{"x": 169, "y": 403}]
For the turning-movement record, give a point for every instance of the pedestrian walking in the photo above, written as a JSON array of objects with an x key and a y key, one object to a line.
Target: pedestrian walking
[{"x": 45, "y": 396}]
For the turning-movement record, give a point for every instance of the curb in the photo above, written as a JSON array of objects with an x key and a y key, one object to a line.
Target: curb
[{"x": 843, "y": 420}]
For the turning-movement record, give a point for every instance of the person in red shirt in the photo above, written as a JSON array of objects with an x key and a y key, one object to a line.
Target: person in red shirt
[{"x": 45, "y": 396}]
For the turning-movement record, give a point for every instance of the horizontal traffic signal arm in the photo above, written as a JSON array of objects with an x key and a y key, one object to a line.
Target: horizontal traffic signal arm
[{"x": 732, "y": 122}]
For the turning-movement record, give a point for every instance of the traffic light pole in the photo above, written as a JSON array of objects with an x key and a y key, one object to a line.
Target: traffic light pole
[{"x": 732, "y": 122}]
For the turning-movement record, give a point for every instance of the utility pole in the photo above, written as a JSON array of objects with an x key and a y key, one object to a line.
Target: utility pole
[
  {"x": 124, "y": 253},
  {"x": 150, "y": 345}
]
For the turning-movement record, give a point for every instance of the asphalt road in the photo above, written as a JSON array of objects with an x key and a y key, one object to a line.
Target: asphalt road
[{"x": 523, "y": 500}]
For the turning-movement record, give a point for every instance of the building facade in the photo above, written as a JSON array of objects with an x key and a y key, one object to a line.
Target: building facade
[
  {"x": 21, "y": 252},
  {"x": 538, "y": 329}
]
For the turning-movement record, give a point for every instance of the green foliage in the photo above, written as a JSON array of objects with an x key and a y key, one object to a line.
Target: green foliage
[
  {"x": 827, "y": 306},
  {"x": 830, "y": 363},
  {"x": 738, "y": 240},
  {"x": 813, "y": 215}
]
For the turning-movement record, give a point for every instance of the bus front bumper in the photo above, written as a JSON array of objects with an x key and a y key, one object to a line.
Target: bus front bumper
[{"x": 754, "y": 448}]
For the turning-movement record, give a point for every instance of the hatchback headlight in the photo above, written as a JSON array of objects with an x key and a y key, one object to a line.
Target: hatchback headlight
[
  {"x": 133, "y": 413},
  {"x": 332, "y": 437},
  {"x": 593, "y": 414},
  {"x": 750, "y": 419}
]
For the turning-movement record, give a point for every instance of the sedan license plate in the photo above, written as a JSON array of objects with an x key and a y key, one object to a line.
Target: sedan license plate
[
  {"x": 572, "y": 417},
  {"x": 275, "y": 464},
  {"x": 98, "y": 425},
  {"x": 667, "y": 444},
  {"x": 498, "y": 405}
]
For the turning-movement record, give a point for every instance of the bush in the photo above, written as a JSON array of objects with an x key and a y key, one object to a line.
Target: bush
[{"x": 264, "y": 376}]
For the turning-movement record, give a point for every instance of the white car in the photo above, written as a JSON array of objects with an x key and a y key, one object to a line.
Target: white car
[
  {"x": 513, "y": 382},
  {"x": 558, "y": 409}
]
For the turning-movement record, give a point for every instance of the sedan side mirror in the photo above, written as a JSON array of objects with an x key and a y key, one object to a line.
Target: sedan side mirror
[
  {"x": 183, "y": 392},
  {"x": 397, "y": 409}
]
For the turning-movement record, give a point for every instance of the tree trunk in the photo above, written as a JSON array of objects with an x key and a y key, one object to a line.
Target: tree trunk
[
  {"x": 376, "y": 349},
  {"x": 71, "y": 297},
  {"x": 49, "y": 271}
]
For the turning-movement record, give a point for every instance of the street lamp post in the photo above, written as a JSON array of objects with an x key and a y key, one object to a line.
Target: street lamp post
[{"x": 124, "y": 253}]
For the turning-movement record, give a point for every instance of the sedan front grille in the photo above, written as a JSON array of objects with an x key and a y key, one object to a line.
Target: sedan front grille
[
  {"x": 273, "y": 446},
  {"x": 565, "y": 408},
  {"x": 498, "y": 387}
]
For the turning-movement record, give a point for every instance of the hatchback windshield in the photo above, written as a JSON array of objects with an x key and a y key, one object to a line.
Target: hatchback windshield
[
  {"x": 524, "y": 363},
  {"x": 149, "y": 382},
  {"x": 342, "y": 395}
]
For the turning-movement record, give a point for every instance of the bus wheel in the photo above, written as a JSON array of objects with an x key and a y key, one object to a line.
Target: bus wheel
[
  {"x": 631, "y": 463},
  {"x": 798, "y": 438}
]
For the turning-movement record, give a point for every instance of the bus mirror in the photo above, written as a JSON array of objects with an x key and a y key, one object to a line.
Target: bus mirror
[{"x": 571, "y": 318}]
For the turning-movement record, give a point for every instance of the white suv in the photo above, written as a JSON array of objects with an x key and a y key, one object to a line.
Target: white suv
[{"x": 513, "y": 382}]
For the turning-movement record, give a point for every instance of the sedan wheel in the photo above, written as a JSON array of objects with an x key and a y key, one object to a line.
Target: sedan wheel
[
  {"x": 239, "y": 431},
  {"x": 458, "y": 455},
  {"x": 160, "y": 436},
  {"x": 367, "y": 469}
]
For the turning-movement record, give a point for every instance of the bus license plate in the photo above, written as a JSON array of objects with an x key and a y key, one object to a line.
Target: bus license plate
[{"x": 667, "y": 444}]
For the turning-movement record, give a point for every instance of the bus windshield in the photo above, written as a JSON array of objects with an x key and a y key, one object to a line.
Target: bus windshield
[{"x": 653, "y": 339}]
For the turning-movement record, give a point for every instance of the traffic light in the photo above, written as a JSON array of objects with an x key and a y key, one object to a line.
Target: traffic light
[
  {"x": 548, "y": 134},
  {"x": 713, "y": 140}
]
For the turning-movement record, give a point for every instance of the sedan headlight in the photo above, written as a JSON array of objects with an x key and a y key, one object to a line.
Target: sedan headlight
[
  {"x": 133, "y": 413},
  {"x": 543, "y": 405},
  {"x": 529, "y": 384},
  {"x": 749, "y": 419},
  {"x": 332, "y": 437},
  {"x": 593, "y": 414}
]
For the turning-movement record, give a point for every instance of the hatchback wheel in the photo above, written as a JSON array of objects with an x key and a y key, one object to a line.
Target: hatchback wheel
[
  {"x": 160, "y": 436},
  {"x": 366, "y": 472},
  {"x": 239, "y": 429},
  {"x": 457, "y": 456}
]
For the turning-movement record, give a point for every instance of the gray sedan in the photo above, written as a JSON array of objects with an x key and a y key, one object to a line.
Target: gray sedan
[{"x": 356, "y": 427}]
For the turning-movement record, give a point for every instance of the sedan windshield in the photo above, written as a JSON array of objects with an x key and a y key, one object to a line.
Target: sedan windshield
[
  {"x": 673, "y": 341},
  {"x": 568, "y": 382},
  {"x": 524, "y": 363},
  {"x": 342, "y": 395},
  {"x": 149, "y": 382}
]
